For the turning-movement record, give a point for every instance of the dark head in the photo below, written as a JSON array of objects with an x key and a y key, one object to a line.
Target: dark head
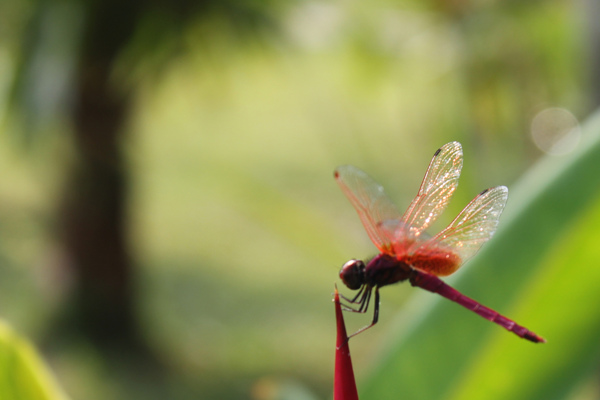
[{"x": 353, "y": 274}]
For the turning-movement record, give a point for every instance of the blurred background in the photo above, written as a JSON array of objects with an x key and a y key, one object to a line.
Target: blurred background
[{"x": 169, "y": 222}]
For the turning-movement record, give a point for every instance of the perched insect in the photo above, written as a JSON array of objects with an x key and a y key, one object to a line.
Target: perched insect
[{"x": 407, "y": 252}]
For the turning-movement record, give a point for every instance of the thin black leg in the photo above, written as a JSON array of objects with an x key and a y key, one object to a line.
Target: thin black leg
[
  {"x": 353, "y": 300},
  {"x": 375, "y": 314},
  {"x": 364, "y": 305},
  {"x": 363, "y": 301}
]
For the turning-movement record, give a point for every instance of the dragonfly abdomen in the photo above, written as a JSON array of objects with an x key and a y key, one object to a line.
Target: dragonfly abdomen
[
  {"x": 434, "y": 284},
  {"x": 438, "y": 262}
]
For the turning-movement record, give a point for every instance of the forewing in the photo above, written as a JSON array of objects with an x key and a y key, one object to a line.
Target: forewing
[
  {"x": 371, "y": 203},
  {"x": 439, "y": 183},
  {"x": 474, "y": 226}
]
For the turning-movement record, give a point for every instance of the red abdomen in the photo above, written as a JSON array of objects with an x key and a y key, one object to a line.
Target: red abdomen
[{"x": 437, "y": 262}]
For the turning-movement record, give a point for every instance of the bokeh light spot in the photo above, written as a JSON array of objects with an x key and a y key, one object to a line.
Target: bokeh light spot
[{"x": 555, "y": 131}]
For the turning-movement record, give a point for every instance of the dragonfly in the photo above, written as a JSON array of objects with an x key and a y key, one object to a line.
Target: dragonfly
[{"x": 407, "y": 252}]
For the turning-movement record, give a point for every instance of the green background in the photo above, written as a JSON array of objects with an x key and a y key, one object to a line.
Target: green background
[{"x": 238, "y": 229}]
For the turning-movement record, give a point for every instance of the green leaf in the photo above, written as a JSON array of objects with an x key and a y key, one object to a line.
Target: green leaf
[
  {"x": 23, "y": 375},
  {"x": 540, "y": 269}
]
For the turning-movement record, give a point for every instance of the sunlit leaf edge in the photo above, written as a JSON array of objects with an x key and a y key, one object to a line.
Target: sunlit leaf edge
[{"x": 24, "y": 375}]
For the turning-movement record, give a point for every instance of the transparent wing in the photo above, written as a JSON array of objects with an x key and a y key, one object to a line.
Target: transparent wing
[
  {"x": 439, "y": 183},
  {"x": 474, "y": 226},
  {"x": 371, "y": 203}
]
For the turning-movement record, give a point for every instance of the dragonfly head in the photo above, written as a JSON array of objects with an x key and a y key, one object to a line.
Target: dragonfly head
[{"x": 353, "y": 274}]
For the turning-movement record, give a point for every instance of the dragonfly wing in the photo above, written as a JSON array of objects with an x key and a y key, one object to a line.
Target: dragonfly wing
[
  {"x": 474, "y": 226},
  {"x": 439, "y": 183},
  {"x": 371, "y": 203}
]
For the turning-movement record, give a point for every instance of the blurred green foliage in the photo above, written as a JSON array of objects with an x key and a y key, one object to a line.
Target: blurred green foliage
[
  {"x": 24, "y": 376},
  {"x": 239, "y": 228}
]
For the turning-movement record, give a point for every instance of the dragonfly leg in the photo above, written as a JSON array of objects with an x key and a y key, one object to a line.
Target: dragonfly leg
[
  {"x": 354, "y": 299},
  {"x": 364, "y": 305},
  {"x": 363, "y": 301},
  {"x": 375, "y": 314}
]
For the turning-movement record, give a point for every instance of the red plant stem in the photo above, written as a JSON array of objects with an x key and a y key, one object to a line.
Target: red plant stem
[{"x": 344, "y": 385}]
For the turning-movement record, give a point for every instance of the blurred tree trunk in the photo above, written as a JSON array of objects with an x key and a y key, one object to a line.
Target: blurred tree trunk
[
  {"x": 93, "y": 217},
  {"x": 592, "y": 9}
]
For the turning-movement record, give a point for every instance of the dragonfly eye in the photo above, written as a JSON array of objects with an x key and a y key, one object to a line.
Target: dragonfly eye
[{"x": 353, "y": 274}]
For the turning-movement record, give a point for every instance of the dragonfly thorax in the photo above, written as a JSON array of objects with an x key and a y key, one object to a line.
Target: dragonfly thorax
[
  {"x": 386, "y": 269},
  {"x": 382, "y": 270},
  {"x": 353, "y": 274}
]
